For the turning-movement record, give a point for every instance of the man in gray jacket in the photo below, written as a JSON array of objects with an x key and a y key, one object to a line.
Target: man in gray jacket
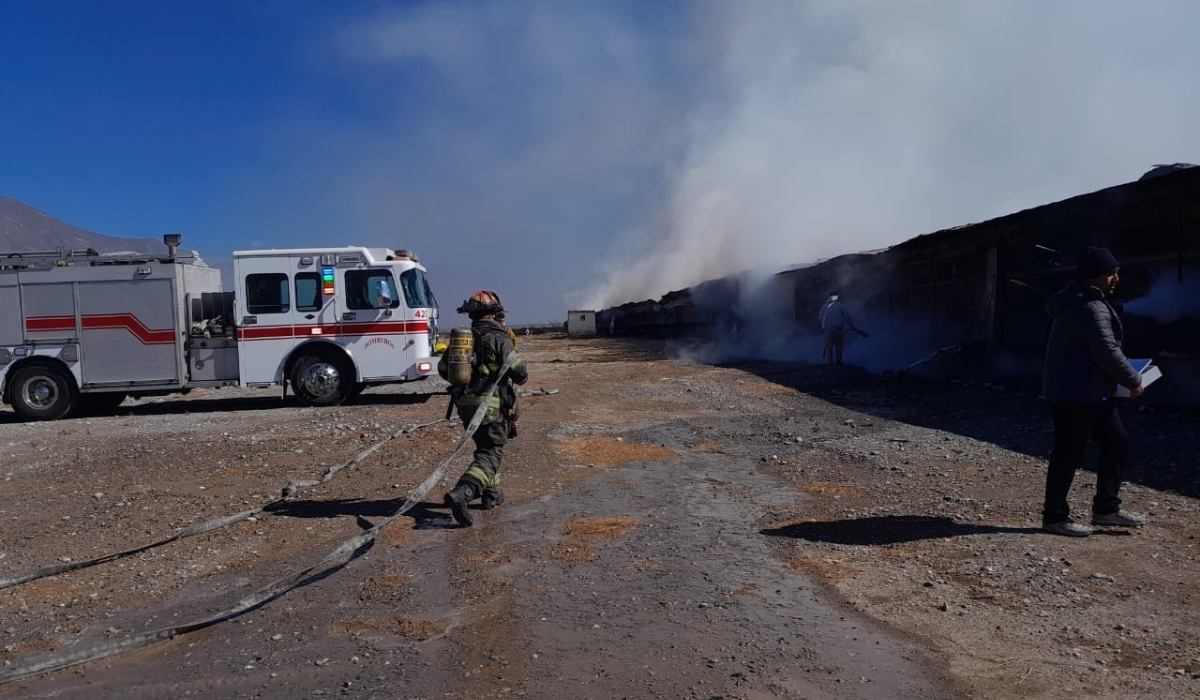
[
  {"x": 835, "y": 320},
  {"x": 1084, "y": 365}
]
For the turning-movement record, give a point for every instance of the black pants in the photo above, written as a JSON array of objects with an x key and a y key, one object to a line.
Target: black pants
[
  {"x": 1074, "y": 425},
  {"x": 835, "y": 340},
  {"x": 490, "y": 439}
]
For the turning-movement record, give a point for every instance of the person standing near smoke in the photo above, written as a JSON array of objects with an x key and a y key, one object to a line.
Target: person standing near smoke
[
  {"x": 1084, "y": 365},
  {"x": 835, "y": 319}
]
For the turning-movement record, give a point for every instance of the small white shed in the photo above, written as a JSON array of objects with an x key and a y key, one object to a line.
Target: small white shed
[{"x": 581, "y": 322}]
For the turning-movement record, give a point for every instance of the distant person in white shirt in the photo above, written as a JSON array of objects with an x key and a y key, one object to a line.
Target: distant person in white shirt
[{"x": 835, "y": 319}]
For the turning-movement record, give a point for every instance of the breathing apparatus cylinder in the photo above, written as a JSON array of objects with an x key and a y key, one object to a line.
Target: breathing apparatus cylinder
[{"x": 459, "y": 356}]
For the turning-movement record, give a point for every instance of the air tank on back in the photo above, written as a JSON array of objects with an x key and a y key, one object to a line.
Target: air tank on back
[{"x": 459, "y": 354}]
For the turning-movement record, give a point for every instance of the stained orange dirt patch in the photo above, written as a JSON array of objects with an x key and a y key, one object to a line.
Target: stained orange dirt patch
[
  {"x": 386, "y": 587},
  {"x": 747, "y": 589},
  {"x": 768, "y": 389},
  {"x": 398, "y": 534},
  {"x": 829, "y": 569},
  {"x": 581, "y": 536},
  {"x": 418, "y": 629},
  {"x": 601, "y": 449},
  {"x": 825, "y": 488},
  {"x": 397, "y": 625},
  {"x": 599, "y": 528}
]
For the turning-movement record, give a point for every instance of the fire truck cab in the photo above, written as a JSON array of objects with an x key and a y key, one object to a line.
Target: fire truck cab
[
  {"x": 80, "y": 329},
  {"x": 330, "y": 321}
]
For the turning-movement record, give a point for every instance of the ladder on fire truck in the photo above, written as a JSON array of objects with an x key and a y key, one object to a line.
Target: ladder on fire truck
[{"x": 87, "y": 256}]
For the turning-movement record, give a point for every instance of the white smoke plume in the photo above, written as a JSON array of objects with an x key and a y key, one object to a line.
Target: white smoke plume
[
  {"x": 578, "y": 154},
  {"x": 827, "y": 127},
  {"x": 1172, "y": 297}
]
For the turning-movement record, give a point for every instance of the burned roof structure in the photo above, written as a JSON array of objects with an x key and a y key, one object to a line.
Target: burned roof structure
[{"x": 987, "y": 283}]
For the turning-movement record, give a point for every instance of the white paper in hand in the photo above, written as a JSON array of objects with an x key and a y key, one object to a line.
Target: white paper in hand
[{"x": 1149, "y": 373}]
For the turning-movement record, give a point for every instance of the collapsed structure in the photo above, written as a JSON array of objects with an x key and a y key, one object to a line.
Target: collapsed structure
[{"x": 981, "y": 288}]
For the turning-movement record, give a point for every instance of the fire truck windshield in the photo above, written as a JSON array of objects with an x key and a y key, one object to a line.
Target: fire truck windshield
[{"x": 417, "y": 294}]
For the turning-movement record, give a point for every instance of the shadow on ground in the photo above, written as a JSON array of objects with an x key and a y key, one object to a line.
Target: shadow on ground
[
  {"x": 1165, "y": 445},
  {"x": 426, "y": 515},
  {"x": 888, "y": 530},
  {"x": 232, "y": 405}
]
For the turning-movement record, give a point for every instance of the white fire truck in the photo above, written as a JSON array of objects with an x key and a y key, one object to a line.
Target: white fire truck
[{"x": 80, "y": 329}]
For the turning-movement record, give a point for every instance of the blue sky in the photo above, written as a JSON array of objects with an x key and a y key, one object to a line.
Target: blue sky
[
  {"x": 582, "y": 152},
  {"x": 263, "y": 124},
  {"x": 134, "y": 118}
]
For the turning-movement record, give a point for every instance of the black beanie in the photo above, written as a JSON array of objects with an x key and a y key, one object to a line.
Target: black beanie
[{"x": 1095, "y": 262}]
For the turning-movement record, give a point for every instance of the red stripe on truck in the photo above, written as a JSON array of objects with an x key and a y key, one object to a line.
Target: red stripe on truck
[
  {"x": 343, "y": 330},
  {"x": 128, "y": 322},
  {"x": 38, "y": 324}
]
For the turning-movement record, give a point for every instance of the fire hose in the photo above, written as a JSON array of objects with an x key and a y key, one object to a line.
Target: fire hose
[
  {"x": 337, "y": 558},
  {"x": 289, "y": 492}
]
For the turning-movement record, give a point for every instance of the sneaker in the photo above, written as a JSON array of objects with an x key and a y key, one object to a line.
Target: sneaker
[
  {"x": 1068, "y": 528},
  {"x": 1119, "y": 519}
]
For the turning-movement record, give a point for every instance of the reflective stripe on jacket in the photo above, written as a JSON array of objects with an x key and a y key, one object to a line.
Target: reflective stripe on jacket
[{"x": 467, "y": 403}]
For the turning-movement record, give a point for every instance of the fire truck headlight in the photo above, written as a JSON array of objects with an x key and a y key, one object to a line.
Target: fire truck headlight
[
  {"x": 5, "y": 356},
  {"x": 424, "y": 366},
  {"x": 70, "y": 353}
]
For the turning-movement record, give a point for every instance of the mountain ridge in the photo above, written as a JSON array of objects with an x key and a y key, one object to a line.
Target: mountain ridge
[{"x": 25, "y": 228}]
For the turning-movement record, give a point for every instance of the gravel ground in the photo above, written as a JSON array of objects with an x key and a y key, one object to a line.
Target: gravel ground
[{"x": 673, "y": 530}]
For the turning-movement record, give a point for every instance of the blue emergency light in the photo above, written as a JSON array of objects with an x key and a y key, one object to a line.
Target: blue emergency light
[{"x": 327, "y": 280}]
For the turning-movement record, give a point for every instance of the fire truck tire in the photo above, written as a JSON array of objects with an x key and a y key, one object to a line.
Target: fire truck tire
[
  {"x": 322, "y": 378},
  {"x": 42, "y": 392}
]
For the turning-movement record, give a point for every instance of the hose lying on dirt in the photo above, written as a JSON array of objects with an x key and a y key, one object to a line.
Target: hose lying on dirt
[
  {"x": 289, "y": 492},
  {"x": 940, "y": 352},
  {"x": 338, "y": 557}
]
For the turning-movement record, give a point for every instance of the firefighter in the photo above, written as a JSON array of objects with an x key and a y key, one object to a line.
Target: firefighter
[
  {"x": 500, "y": 319},
  {"x": 492, "y": 345}
]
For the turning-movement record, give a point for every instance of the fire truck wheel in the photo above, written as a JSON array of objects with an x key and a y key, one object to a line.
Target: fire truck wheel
[
  {"x": 321, "y": 378},
  {"x": 42, "y": 392}
]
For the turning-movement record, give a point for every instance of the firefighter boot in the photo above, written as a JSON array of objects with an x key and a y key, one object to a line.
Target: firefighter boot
[
  {"x": 457, "y": 499},
  {"x": 492, "y": 497}
]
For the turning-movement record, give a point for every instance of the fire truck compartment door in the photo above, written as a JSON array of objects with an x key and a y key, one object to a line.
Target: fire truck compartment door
[
  {"x": 128, "y": 332},
  {"x": 11, "y": 330},
  {"x": 279, "y": 303},
  {"x": 373, "y": 326}
]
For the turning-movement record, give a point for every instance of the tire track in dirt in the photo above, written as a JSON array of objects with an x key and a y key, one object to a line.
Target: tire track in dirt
[{"x": 685, "y": 598}]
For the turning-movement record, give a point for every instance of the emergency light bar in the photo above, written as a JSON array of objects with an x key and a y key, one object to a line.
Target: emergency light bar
[
  {"x": 327, "y": 281},
  {"x": 406, "y": 254}
]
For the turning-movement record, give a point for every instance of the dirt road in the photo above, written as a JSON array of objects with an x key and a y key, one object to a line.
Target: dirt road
[{"x": 672, "y": 530}]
